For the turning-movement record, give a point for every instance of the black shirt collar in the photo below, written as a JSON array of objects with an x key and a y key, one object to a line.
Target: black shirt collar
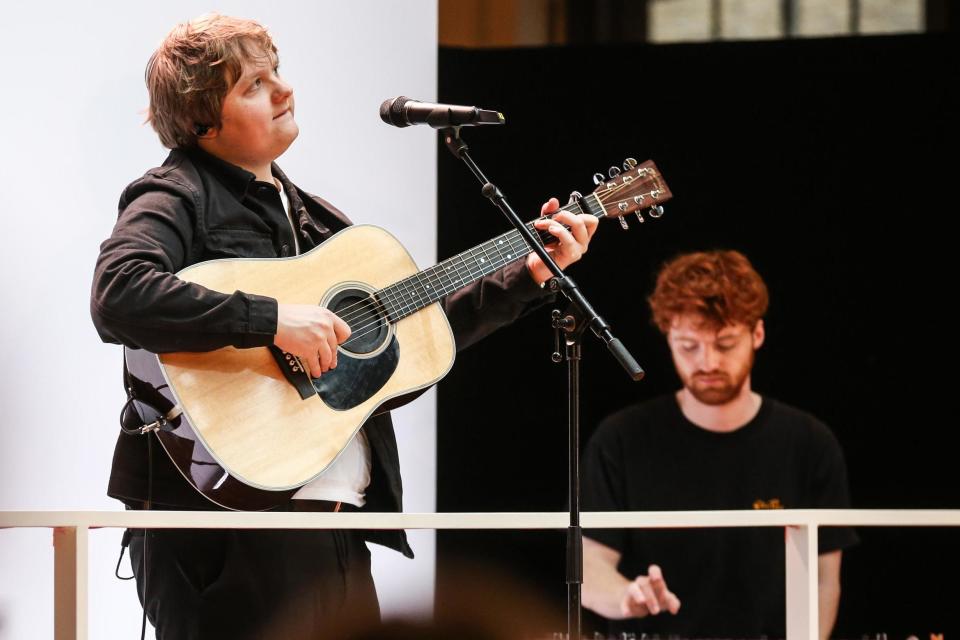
[
  {"x": 236, "y": 179},
  {"x": 750, "y": 427}
]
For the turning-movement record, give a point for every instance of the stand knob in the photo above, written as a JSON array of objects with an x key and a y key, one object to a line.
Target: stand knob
[{"x": 556, "y": 356}]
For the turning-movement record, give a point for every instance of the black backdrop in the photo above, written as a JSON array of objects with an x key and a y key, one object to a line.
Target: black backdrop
[{"x": 829, "y": 163}]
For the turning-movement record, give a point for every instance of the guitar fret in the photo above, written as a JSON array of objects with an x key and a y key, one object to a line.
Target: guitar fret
[
  {"x": 432, "y": 285},
  {"x": 422, "y": 292},
  {"x": 384, "y": 305},
  {"x": 456, "y": 273},
  {"x": 497, "y": 242},
  {"x": 435, "y": 283},
  {"x": 406, "y": 300},
  {"x": 473, "y": 267},
  {"x": 395, "y": 301},
  {"x": 410, "y": 287},
  {"x": 445, "y": 271},
  {"x": 490, "y": 262},
  {"x": 595, "y": 207},
  {"x": 416, "y": 289},
  {"x": 443, "y": 277},
  {"x": 463, "y": 269}
]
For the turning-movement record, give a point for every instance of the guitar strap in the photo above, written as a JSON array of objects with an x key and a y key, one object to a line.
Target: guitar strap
[
  {"x": 130, "y": 418},
  {"x": 132, "y": 421}
]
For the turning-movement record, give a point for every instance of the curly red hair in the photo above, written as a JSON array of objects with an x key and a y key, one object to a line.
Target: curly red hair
[{"x": 720, "y": 286}]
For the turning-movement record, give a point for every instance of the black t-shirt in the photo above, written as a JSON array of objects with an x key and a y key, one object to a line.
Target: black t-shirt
[{"x": 730, "y": 582}]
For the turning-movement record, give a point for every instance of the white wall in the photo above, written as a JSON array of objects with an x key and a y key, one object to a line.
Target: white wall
[{"x": 71, "y": 134}]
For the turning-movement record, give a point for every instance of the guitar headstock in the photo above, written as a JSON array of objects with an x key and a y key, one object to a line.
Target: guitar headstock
[{"x": 639, "y": 189}]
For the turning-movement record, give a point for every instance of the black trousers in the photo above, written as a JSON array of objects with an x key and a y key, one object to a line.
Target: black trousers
[{"x": 253, "y": 584}]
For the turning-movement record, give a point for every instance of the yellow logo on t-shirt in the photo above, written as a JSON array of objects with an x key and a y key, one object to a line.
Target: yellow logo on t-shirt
[{"x": 772, "y": 503}]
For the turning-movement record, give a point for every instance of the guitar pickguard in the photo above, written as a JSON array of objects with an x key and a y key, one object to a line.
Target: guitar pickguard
[{"x": 354, "y": 380}]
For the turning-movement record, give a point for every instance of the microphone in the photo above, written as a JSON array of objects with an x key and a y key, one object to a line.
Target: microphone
[{"x": 403, "y": 112}]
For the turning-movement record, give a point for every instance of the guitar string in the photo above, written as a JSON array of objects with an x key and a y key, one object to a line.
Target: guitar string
[
  {"x": 406, "y": 308},
  {"x": 517, "y": 246},
  {"x": 544, "y": 237},
  {"x": 412, "y": 305},
  {"x": 416, "y": 286},
  {"x": 394, "y": 294},
  {"x": 407, "y": 286},
  {"x": 512, "y": 236}
]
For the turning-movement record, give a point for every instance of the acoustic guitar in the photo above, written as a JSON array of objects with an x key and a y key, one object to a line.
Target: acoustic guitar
[{"x": 248, "y": 427}]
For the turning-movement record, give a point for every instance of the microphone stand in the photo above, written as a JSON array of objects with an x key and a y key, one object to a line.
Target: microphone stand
[{"x": 579, "y": 317}]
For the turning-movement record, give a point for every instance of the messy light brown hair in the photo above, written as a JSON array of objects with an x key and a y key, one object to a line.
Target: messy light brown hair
[
  {"x": 720, "y": 286},
  {"x": 193, "y": 69}
]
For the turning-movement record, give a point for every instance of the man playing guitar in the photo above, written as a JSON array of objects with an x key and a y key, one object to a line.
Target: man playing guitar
[{"x": 218, "y": 102}]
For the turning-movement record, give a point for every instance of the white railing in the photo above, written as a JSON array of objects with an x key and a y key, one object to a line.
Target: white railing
[{"x": 71, "y": 531}]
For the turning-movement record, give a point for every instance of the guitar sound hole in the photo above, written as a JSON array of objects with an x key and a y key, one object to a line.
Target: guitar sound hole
[{"x": 369, "y": 328}]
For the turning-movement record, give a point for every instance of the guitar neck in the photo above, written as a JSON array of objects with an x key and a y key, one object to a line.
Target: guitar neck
[{"x": 431, "y": 285}]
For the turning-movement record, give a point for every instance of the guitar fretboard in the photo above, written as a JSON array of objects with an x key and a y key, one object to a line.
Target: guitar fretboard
[{"x": 432, "y": 285}]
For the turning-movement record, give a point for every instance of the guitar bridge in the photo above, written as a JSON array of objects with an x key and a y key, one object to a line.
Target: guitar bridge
[{"x": 293, "y": 371}]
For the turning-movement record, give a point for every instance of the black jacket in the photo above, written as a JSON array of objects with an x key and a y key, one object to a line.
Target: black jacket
[{"x": 196, "y": 207}]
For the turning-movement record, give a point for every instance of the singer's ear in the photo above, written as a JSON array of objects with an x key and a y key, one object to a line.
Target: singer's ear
[{"x": 204, "y": 131}]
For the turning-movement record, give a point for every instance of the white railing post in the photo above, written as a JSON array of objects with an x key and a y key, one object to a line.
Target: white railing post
[
  {"x": 70, "y": 552},
  {"x": 803, "y": 602}
]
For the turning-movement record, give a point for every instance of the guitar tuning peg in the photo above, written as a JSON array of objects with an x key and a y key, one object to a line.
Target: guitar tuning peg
[
  {"x": 598, "y": 179},
  {"x": 623, "y": 223},
  {"x": 629, "y": 163},
  {"x": 575, "y": 196},
  {"x": 640, "y": 218},
  {"x": 656, "y": 211},
  {"x": 613, "y": 172}
]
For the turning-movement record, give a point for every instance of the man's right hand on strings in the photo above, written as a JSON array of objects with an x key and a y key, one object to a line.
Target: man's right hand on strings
[{"x": 311, "y": 333}]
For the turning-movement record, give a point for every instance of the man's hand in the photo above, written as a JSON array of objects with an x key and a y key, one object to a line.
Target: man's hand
[
  {"x": 311, "y": 333},
  {"x": 648, "y": 595},
  {"x": 572, "y": 243},
  {"x": 611, "y": 595}
]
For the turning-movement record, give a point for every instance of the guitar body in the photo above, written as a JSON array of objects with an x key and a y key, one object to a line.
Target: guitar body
[{"x": 248, "y": 437}]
